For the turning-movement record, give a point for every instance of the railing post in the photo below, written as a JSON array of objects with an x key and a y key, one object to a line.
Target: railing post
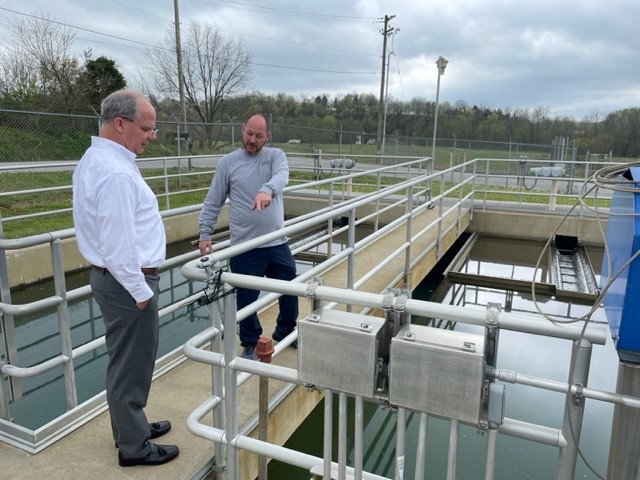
[
  {"x": 351, "y": 241},
  {"x": 407, "y": 251},
  {"x": 574, "y": 409},
  {"x": 490, "y": 462},
  {"x": 217, "y": 385},
  {"x": 167, "y": 203},
  {"x": 421, "y": 449},
  {"x": 230, "y": 382},
  {"x": 64, "y": 323},
  {"x": 453, "y": 449},
  {"x": 624, "y": 449},
  {"x": 342, "y": 436},
  {"x": 440, "y": 212},
  {"x": 327, "y": 444},
  {"x": 401, "y": 425},
  {"x": 7, "y": 330},
  {"x": 358, "y": 447}
]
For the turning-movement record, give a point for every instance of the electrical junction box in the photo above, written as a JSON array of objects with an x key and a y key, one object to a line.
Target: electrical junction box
[
  {"x": 339, "y": 351},
  {"x": 440, "y": 372},
  {"x": 622, "y": 299}
]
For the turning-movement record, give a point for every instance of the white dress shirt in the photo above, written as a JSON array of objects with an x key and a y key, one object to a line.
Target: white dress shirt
[{"x": 116, "y": 216}]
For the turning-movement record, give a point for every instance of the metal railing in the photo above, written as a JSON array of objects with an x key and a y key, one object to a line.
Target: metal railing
[
  {"x": 178, "y": 180},
  {"x": 227, "y": 367},
  {"x": 454, "y": 191},
  {"x": 61, "y": 299}
]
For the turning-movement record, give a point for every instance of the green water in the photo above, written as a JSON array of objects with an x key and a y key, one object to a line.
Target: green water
[{"x": 533, "y": 355}]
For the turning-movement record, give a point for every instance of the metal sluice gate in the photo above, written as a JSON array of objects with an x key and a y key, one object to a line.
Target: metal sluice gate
[{"x": 570, "y": 267}]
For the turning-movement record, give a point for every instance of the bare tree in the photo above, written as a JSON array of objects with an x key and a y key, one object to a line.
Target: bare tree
[
  {"x": 18, "y": 77},
  {"x": 214, "y": 69},
  {"x": 47, "y": 44}
]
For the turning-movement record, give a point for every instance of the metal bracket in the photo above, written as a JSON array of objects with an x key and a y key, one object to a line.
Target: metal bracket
[
  {"x": 578, "y": 396},
  {"x": 310, "y": 293},
  {"x": 400, "y": 305},
  {"x": 312, "y": 286},
  {"x": 493, "y": 314},
  {"x": 387, "y": 299}
]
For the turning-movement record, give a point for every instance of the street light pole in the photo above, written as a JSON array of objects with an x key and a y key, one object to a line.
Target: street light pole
[{"x": 442, "y": 64}]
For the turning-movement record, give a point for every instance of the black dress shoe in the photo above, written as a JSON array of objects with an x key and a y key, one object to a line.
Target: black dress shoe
[
  {"x": 159, "y": 428},
  {"x": 157, "y": 456}
]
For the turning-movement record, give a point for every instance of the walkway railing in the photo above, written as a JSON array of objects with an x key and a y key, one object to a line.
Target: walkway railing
[
  {"x": 230, "y": 371},
  {"x": 452, "y": 192}
]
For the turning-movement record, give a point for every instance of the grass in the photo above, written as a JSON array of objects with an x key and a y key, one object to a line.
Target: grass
[{"x": 189, "y": 190}]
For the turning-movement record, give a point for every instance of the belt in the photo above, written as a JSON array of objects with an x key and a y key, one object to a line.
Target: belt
[{"x": 144, "y": 270}]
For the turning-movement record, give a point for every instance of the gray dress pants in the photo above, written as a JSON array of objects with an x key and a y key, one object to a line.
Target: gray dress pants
[{"x": 132, "y": 344}]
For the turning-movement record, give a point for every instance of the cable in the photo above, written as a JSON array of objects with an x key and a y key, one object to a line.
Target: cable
[
  {"x": 609, "y": 178},
  {"x": 214, "y": 295}
]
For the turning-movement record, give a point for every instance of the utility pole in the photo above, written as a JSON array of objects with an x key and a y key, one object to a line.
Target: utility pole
[
  {"x": 183, "y": 104},
  {"x": 386, "y": 30}
]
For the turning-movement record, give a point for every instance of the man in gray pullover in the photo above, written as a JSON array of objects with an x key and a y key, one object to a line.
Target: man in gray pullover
[{"x": 253, "y": 179}]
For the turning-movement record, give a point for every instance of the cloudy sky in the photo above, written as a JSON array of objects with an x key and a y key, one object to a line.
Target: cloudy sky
[{"x": 575, "y": 57}]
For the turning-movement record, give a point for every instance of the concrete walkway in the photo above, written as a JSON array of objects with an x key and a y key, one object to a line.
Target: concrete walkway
[{"x": 89, "y": 453}]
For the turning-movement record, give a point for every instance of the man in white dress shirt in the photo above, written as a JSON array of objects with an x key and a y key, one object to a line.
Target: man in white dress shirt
[{"x": 119, "y": 231}]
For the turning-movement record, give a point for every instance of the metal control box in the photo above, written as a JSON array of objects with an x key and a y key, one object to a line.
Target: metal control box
[
  {"x": 440, "y": 372},
  {"x": 339, "y": 351}
]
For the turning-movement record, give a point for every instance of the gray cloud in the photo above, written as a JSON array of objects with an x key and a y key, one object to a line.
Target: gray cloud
[{"x": 576, "y": 57}]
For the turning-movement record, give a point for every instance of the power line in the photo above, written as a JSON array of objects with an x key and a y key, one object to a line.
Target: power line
[
  {"x": 75, "y": 26},
  {"x": 300, "y": 44},
  {"x": 312, "y": 69},
  {"x": 319, "y": 16},
  {"x": 146, "y": 45}
]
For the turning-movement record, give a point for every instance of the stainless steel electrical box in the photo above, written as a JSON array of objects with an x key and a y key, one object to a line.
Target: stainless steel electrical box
[
  {"x": 339, "y": 350},
  {"x": 437, "y": 371}
]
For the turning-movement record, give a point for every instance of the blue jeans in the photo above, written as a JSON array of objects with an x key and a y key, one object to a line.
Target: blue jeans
[{"x": 271, "y": 262}]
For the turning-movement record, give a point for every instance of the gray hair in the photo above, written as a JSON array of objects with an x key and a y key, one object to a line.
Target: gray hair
[{"x": 121, "y": 103}]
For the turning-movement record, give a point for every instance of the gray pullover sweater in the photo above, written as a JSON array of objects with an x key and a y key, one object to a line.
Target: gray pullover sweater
[{"x": 239, "y": 177}]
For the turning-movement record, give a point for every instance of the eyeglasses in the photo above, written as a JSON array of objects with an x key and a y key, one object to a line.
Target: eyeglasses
[{"x": 147, "y": 130}]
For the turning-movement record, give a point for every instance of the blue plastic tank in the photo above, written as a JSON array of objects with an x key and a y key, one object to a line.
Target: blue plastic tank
[{"x": 622, "y": 300}]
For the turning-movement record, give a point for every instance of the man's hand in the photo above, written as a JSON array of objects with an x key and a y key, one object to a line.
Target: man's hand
[
  {"x": 142, "y": 305},
  {"x": 262, "y": 201},
  {"x": 205, "y": 247}
]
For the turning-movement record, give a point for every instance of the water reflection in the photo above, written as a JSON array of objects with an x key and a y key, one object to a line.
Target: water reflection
[
  {"x": 529, "y": 354},
  {"x": 37, "y": 340}
]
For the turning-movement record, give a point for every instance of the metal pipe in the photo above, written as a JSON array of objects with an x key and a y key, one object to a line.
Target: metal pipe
[
  {"x": 533, "y": 432},
  {"x": 524, "y": 379},
  {"x": 490, "y": 462},
  {"x": 230, "y": 381},
  {"x": 342, "y": 436},
  {"x": 574, "y": 409},
  {"x": 624, "y": 448},
  {"x": 526, "y": 323},
  {"x": 327, "y": 448},
  {"x": 453, "y": 449},
  {"x": 401, "y": 428},
  {"x": 217, "y": 381},
  {"x": 421, "y": 449},
  {"x": 64, "y": 324},
  {"x": 358, "y": 445}
]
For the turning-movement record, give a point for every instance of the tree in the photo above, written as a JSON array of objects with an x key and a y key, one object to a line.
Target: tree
[
  {"x": 18, "y": 78},
  {"x": 214, "y": 69},
  {"x": 100, "y": 78},
  {"x": 46, "y": 44}
]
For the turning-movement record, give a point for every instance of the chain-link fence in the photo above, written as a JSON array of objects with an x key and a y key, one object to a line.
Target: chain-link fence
[
  {"x": 38, "y": 152},
  {"x": 36, "y": 136}
]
